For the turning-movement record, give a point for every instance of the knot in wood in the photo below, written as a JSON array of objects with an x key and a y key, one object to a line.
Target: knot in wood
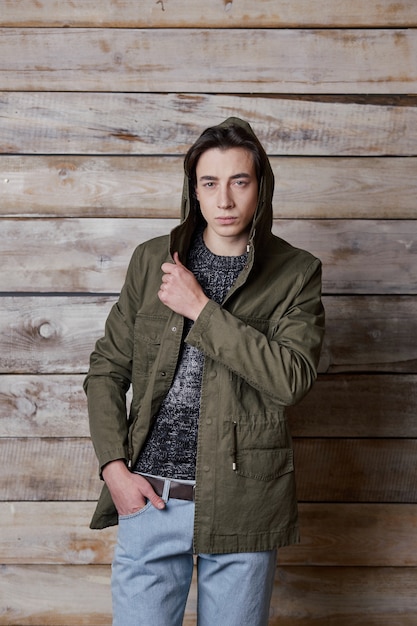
[{"x": 46, "y": 330}]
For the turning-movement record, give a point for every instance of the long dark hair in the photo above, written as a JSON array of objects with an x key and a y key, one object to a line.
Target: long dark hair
[{"x": 224, "y": 137}]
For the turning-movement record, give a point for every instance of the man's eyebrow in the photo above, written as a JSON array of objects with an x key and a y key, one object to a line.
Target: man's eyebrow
[
  {"x": 233, "y": 177},
  {"x": 208, "y": 177},
  {"x": 241, "y": 175}
]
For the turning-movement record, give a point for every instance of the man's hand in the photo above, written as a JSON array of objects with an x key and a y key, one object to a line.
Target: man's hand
[
  {"x": 129, "y": 491},
  {"x": 180, "y": 290}
]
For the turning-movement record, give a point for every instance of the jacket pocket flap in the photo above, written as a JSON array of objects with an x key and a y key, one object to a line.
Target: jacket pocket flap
[{"x": 265, "y": 464}]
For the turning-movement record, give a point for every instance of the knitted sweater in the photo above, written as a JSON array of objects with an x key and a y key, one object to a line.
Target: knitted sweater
[{"x": 171, "y": 447}]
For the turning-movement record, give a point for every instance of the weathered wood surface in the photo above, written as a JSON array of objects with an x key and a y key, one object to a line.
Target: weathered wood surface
[
  {"x": 168, "y": 123},
  {"x": 197, "y": 14},
  {"x": 43, "y": 406},
  {"x": 327, "y": 61},
  {"x": 354, "y": 535},
  {"x": 358, "y": 405},
  {"x": 56, "y": 334},
  {"x": 327, "y": 470},
  {"x": 48, "y": 469},
  {"x": 331, "y": 535},
  {"x": 50, "y": 335},
  {"x": 151, "y": 187},
  {"x": 303, "y": 596},
  {"x": 92, "y": 255},
  {"x": 356, "y": 470},
  {"x": 355, "y": 405},
  {"x": 364, "y": 596},
  {"x": 370, "y": 334},
  {"x": 103, "y": 247},
  {"x": 42, "y": 595}
]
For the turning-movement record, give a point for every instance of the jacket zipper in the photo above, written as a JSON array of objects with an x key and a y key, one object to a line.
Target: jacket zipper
[{"x": 234, "y": 449}]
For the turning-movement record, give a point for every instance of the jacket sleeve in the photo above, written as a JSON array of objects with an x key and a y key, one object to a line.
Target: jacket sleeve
[
  {"x": 283, "y": 365},
  {"x": 109, "y": 378}
]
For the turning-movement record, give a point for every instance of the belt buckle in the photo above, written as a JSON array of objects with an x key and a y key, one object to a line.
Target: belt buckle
[{"x": 193, "y": 493}]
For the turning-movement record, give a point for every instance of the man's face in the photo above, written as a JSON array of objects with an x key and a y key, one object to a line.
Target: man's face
[{"x": 227, "y": 190}]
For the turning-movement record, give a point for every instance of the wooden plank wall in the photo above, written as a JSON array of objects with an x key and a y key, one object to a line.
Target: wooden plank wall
[{"x": 98, "y": 102}]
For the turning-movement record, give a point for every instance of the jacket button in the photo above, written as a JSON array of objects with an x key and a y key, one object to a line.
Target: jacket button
[
  {"x": 174, "y": 329},
  {"x": 209, "y": 421},
  {"x": 206, "y": 468},
  {"x": 163, "y": 373}
]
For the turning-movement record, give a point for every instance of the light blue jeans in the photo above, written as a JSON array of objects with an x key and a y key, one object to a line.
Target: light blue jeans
[{"x": 153, "y": 567}]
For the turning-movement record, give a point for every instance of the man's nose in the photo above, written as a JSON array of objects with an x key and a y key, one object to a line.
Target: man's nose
[{"x": 224, "y": 198}]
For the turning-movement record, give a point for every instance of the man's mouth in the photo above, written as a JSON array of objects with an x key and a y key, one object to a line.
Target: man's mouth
[{"x": 227, "y": 219}]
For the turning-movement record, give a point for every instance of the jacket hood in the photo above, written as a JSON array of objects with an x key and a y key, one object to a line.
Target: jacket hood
[{"x": 262, "y": 221}]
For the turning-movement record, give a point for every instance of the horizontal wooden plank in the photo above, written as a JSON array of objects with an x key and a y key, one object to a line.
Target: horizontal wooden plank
[
  {"x": 180, "y": 13},
  {"x": 384, "y": 535},
  {"x": 53, "y": 533},
  {"x": 55, "y": 595},
  {"x": 355, "y": 405},
  {"x": 302, "y": 596},
  {"x": 43, "y": 406},
  {"x": 56, "y": 334},
  {"x": 359, "y": 256},
  {"x": 151, "y": 187},
  {"x": 356, "y": 470},
  {"x": 354, "y": 535},
  {"x": 149, "y": 123},
  {"x": 92, "y": 255},
  {"x": 50, "y": 335},
  {"x": 369, "y": 334},
  {"x": 314, "y": 596},
  {"x": 103, "y": 254},
  {"x": 327, "y": 470},
  {"x": 241, "y": 60},
  {"x": 48, "y": 469}
]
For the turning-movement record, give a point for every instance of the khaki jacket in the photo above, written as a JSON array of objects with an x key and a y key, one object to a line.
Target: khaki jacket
[{"x": 261, "y": 347}]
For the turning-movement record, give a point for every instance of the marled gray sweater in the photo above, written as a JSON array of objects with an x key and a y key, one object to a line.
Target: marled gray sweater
[{"x": 171, "y": 448}]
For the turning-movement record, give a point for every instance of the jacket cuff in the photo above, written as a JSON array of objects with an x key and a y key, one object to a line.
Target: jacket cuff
[{"x": 201, "y": 323}]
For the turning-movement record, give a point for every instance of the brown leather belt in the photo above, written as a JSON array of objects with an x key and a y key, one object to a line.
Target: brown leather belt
[{"x": 178, "y": 491}]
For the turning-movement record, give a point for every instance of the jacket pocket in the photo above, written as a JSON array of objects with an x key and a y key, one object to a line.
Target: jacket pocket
[
  {"x": 147, "y": 341},
  {"x": 261, "y": 448},
  {"x": 265, "y": 464}
]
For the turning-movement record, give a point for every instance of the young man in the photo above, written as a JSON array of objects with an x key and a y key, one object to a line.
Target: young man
[{"x": 218, "y": 328}]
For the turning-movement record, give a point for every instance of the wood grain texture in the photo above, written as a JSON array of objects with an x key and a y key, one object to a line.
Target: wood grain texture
[
  {"x": 53, "y": 468},
  {"x": 358, "y": 405},
  {"x": 43, "y": 406},
  {"x": 151, "y": 187},
  {"x": 327, "y": 470},
  {"x": 356, "y": 470},
  {"x": 332, "y": 535},
  {"x": 200, "y": 14},
  {"x": 328, "y": 61},
  {"x": 352, "y": 535},
  {"x": 56, "y": 334},
  {"x": 314, "y": 596},
  {"x": 369, "y": 334},
  {"x": 53, "y": 533},
  {"x": 50, "y": 335},
  {"x": 92, "y": 255},
  {"x": 55, "y": 595},
  {"x": 168, "y": 123}
]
